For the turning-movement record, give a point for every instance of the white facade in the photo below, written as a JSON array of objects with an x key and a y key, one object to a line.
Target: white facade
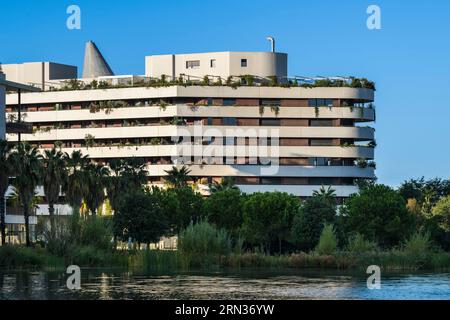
[
  {"x": 39, "y": 74},
  {"x": 218, "y": 64},
  {"x": 72, "y": 121}
]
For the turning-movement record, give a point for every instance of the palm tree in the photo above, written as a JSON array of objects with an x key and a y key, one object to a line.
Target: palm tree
[
  {"x": 177, "y": 178},
  {"x": 126, "y": 175},
  {"x": 96, "y": 182},
  {"x": 6, "y": 170},
  {"x": 227, "y": 183},
  {"x": 75, "y": 186},
  {"x": 54, "y": 176},
  {"x": 328, "y": 193},
  {"x": 28, "y": 168}
]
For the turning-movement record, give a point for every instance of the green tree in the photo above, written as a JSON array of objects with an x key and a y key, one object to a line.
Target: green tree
[
  {"x": 54, "y": 176},
  {"x": 379, "y": 213},
  {"x": 177, "y": 178},
  {"x": 442, "y": 211},
  {"x": 224, "y": 209},
  {"x": 308, "y": 223},
  {"x": 6, "y": 171},
  {"x": 127, "y": 176},
  {"x": 267, "y": 218},
  {"x": 327, "y": 241},
  {"x": 28, "y": 167},
  {"x": 225, "y": 184},
  {"x": 438, "y": 225},
  {"x": 96, "y": 182},
  {"x": 142, "y": 217},
  {"x": 75, "y": 186},
  {"x": 189, "y": 209}
]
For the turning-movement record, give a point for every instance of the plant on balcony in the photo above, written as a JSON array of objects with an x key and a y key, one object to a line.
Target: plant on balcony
[
  {"x": 163, "y": 105},
  {"x": 73, "y": 84},
  {"x": 155, "y": 141},
  {"x": 261, "y": 109},
  {"x": 103, "y": 85},
  {"x": 248, "y": 80},
  {"x": 11, "y": 117},
  {"x": 205, "y": 81},
  {"x": 93, "y": 84},
  {"x": 89, "y": 141},
  {"x": 177, "y": 121},
  {"x": 347, "y": 145},
  {"x": 316, "y": 111},
  {"x": 273, "y": 81},
  {"x": 275, "y": 109},
  {"x": 362, "y": 163},
  {"x": 372, "y": 144}
]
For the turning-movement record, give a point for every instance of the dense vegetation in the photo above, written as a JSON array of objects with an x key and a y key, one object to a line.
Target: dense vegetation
[
  {"x": 407, "y": 228},
  {"x": 231, "y": 81}
]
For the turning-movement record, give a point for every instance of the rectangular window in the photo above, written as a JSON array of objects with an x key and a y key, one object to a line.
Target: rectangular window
[
  {"x": 213, "y": 63},
  {"x": 270, "y": 122},
  {"x": 194, "y": 64},
  {"x": 271, "y": 102},
  {"x": 229, "y": 102},
  {"x": 321, "y": 123},
  {"x": 320, "y": 102},
  {"x": 321, "y": 142},
  {"x": 243, "y": 63},
  {"x": 229, "y": 121}
]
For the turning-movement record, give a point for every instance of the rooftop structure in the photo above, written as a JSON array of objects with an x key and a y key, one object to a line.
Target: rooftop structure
[
  {"x": 217, "y": 64},
  {"x": 39, "y": 74},
  {"x": 94, "y": 63}
]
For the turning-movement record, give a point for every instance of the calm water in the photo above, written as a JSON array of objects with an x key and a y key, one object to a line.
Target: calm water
[{"x": 288, "y": 284}]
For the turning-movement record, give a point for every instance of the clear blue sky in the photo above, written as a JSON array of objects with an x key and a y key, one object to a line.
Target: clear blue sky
[{"x": 409, "y": 58}]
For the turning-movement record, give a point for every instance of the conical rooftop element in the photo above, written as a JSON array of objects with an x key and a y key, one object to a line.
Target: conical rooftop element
[{"x": 94, "y": 63}]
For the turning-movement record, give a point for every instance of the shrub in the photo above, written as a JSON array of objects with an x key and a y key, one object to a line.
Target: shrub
[
  {"x": 90, "y": 256},
  {"x": 97, "y": 232},
  {"x": 327, "y": 242},
  {"x": 418, "y": 244},
  {"x": 358, "y": 244},
  {"x": 202, "y": 244},
  {"x": 12, "y": 257}
]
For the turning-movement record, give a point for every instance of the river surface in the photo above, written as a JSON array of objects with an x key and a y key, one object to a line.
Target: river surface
[{"x": 242, "y": 284}]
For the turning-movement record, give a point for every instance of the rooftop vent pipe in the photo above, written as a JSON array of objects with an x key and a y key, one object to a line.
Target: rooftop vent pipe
[{"x": 272, "y": 42}]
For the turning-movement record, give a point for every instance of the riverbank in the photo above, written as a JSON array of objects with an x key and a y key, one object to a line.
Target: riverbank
[{"x": 21, "y": 258}]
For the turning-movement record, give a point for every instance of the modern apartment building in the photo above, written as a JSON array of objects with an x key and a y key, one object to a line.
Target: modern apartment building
[{"x": 268, "y": 136}]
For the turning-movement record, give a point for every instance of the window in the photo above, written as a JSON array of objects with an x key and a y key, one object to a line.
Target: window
[
  {"x": 194, "y": 64},
  {"x": 229, "y": 121},
  {"x": 321, "y": 123},
  {"x": 243, "y": 63},
  {"x": 229, "y": 102},
  {"x": 320, "y": 102},
  {"x": 213, "y": 63},
  {"x": 270, "y": 122},
  {"x": 321, "y": 142},
  {"x": 271, "y": 102}
]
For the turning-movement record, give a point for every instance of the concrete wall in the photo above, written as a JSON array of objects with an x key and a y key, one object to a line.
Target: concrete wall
[
  {"x": 37, "y": 73},
  {"x": 262, "y": 64}
]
